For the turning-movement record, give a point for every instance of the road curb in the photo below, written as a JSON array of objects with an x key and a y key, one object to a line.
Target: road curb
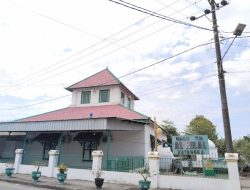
[{"x": 38, "y": 184}]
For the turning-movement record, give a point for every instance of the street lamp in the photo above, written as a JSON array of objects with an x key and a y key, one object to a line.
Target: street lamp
[{"x": 239, "y": 29}]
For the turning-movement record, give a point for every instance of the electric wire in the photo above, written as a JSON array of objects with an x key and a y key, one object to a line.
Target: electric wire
[
  {"x": 133, "y": 72},
  {"x": 152, "y": 13},
  {"x": 79, "y": 52},
  {"x": 72, "y": 68},
  {"x": 177, "y": 85},
  {"x": 138, "y": 70}
]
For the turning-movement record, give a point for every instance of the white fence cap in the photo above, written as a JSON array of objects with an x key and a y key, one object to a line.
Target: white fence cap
[
  {"x": 231, "y": 156},
  {"x": 97, "y": 153}
]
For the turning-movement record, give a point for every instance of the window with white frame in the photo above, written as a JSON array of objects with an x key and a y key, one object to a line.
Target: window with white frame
[
  {"x": 85, "y": 97},
  {"x": 122, "y": 98},
  {"x": 129, "y": 102},
  {"x": 104, "y": 95}
]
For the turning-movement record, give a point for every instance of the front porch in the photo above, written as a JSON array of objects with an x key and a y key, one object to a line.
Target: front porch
[{"x": 76, "y": 145}]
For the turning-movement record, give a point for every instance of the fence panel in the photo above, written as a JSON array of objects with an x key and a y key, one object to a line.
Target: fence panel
[
  {"x": 7, "y": 157},
  {"x": 196, "y": 168},
  {"x": 124, "y": 164}
]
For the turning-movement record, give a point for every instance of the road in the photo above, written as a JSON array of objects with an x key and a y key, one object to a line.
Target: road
[{"x": 13, "y": 186}]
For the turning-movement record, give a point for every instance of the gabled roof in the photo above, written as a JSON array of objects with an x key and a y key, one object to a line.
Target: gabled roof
[
  {"x": 102, "y": 78},
  {"x": 75, "y": 113}
]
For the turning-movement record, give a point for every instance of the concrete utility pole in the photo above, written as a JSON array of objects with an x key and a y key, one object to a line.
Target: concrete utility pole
[{"x": 223, "y": 94}]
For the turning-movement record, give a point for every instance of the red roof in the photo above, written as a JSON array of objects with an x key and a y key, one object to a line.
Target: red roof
[
  {"x": 102, "y": 78},
  {"x": 73, "y": 113}
]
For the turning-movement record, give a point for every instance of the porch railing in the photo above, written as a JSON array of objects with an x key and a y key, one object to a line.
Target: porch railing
[{"x": 124, "y": 164}]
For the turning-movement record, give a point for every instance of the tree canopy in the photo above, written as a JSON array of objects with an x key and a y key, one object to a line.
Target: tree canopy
[
  {"x": 171, "y": 130},
  {"x": 202, "y": 126},
  {"x": 242, "y": 146}
]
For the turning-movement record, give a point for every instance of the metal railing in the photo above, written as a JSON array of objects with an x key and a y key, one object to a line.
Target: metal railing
[
  {"x": 124, "y": 163},
  {"x": 196, "y": 168},
  {"x": 7, "y": 157}
]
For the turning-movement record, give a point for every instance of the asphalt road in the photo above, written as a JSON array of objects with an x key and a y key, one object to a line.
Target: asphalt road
[{"x": 13, "y": 186}]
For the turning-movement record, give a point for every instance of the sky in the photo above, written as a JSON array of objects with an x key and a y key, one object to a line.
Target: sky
[{"x": 48, "y": 45}]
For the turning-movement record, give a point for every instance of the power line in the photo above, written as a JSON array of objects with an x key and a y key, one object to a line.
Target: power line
[
  {"x": 30, "y": 105},
  {"x": 177, "y": 85},
  {"x": 152, "y": 13},
  {"x": 235, "y": 72},
  {"x": 138, "y": 70},
  {"x": 45, "y": 69}
]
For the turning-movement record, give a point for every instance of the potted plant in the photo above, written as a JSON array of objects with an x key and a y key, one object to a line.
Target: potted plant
[
  {"x": 145, "y": 173},
  {"x": 61, "y": 176},
  {"x": 98, "y": 180},
  {"x": 209, "y": 170},
  {"x": 9, "y": 170},
  {"x": 36, "y": 174}
]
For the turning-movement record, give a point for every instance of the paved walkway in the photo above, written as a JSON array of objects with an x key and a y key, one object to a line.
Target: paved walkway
[
  {"x": 52, "y": 183},
  {"x": 245, "y": 183}
]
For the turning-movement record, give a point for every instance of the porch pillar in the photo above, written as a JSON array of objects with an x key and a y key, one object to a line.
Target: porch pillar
[
  {"x": 97, "y": 160},
  {"x": 24, "y": 146},
  {"x": 59, "y": 147},
  {"x": 108, "y": 146},
  {"x": 53, "y": 160},
  {"x": 233, "y": 172},
  {"x": 18, "y": 159},
  {"x": 154, "y": 163},
  {"x": 108, "y": 150}
]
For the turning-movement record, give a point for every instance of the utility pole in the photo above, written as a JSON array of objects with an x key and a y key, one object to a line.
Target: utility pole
[{"x": 222, "y": 86}]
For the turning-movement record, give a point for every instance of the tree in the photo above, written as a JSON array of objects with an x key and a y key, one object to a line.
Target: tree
[
  {"x": 171, "y": 130},
  {"x": 202, "y": 126},
  {"x": 220, "y": 144},
  {"x": 242, "y": 146}
]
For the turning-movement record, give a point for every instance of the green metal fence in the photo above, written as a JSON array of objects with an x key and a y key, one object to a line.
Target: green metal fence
[
  {"x": 123, "y": 164},
  {"x": 195, "y": 168},
  {"x": 7, "y": 157}
]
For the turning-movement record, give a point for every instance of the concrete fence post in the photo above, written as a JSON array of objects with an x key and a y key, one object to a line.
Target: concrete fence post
[
  {"x": 233, "y": 171},
  {"x": 154, "y": 168},
  {"x": 53, "y": 161},
  {"x": 97, "y": 160},
  {"x": 18, "y": 159}
]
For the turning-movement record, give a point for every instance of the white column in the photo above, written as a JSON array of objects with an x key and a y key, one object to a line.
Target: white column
[
  {"x": 53, "y": 159},
  {"x": 97, "y": 160},
  {"x": 233, "y": 172},
  {"x": 18, "y": 159},
  {"x": 154, "y": 168}
]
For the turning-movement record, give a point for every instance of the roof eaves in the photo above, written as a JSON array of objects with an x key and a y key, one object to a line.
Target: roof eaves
[{"x": 19, "y": 120}]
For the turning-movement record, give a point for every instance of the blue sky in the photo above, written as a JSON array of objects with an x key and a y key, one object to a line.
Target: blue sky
[{"x": 49, "y": 45}]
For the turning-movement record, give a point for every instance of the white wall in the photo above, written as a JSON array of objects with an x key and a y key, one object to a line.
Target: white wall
[
  {"x": 192, "y": 183},
  {"x": 115, "y": 96},
  {"x": 77, "y": 174},
  {"x": 163, "y": 151},
  {"x": 126, "y": 143},
  {"x": 28, "y": 169},
  {"x": 2, "y": 168}
]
